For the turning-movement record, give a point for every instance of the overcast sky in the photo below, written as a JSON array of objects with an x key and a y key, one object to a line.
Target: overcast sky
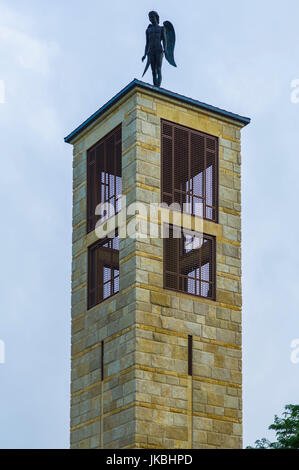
[{"x": 62, "y": 60}]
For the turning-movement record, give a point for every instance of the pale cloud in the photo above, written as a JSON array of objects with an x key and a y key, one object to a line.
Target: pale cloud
[
  {"x": 46, "y": 123},
  {"x": 29, "y": 52},
  {"x": 21, "y": 45},
  {"x": 29, "y": 69},
  {"x": 237, "y": 82},
  {"x": 2, "y": 92}
]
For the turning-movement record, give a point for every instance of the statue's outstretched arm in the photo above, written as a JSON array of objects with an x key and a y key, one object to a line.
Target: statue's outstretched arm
[{"x": 146, "y": 46}]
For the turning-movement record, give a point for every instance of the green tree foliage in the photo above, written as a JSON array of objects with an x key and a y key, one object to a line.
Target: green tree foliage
[{"x": 287, "y": 431}]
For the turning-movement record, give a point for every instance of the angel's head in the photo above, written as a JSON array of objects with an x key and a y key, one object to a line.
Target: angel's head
[{"x": 154, "y": 17}]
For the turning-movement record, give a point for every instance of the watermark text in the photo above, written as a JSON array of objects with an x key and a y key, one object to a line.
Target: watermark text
[
  {"x": 295, "y": 351},
  {"x": 2, "y": 352},
  {"x": 2, "y": 92},
  {"x": 295, "y": 91}
]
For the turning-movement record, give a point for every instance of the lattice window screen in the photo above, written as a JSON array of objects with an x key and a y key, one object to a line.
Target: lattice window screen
[
  {"x": 103, "y": 270},
  {"x": 190, "y": 170},
  {"x": 189, "y": 263},
  {"x": 104, "y": 175}
]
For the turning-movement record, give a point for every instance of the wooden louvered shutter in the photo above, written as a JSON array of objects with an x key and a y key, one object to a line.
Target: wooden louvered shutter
[
  {"x": 167, "y": 182},
  {"x": 103, "y": 175},
  {"x": 190, "y": 268},
  {"x": 171, "y": 261},
  {"x": 100, "y": 175},
  {"x": 91, "y": 189},
  {"x": 197, "y": 174},
  {"x": 118, "y": 171},
  {"x": 103, "y": 270},
  {"x": 181, "y": 166},
  {"x": 211, "y": 178},
  {"x": 190, "y": 169},
  {"x": 92, "y": 278}
]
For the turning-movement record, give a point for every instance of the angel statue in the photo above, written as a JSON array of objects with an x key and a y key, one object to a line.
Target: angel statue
[{"x": 155, "y": 34}]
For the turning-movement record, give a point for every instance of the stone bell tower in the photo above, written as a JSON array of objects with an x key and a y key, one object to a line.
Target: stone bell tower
[{"x": 156, "y": 322}]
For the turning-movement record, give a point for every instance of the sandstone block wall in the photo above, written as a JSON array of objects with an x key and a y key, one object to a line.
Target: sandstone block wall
[{"x": 147, "y": 398}]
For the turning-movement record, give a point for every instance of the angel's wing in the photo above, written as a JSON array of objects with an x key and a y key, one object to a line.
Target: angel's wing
[{"x": 170, "y": 42}]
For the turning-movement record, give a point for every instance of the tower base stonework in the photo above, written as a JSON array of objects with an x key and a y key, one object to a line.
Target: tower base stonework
[{"x": 131, "y": 383}]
